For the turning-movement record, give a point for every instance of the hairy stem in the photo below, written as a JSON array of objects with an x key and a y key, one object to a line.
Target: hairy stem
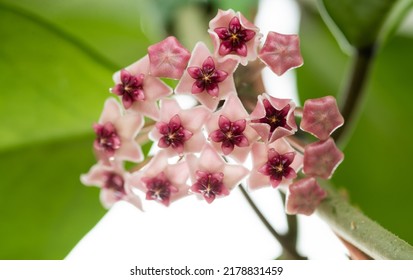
[
  {"x": 357, "y": 229},
  {"x": 288, "y": 244},
  {"x": 352, "y": 95}
]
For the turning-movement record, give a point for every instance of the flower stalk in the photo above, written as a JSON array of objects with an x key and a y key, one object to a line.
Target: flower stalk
[{"x": 287, "y": 241}]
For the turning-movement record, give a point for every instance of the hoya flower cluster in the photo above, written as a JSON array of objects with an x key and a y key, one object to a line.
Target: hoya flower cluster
[{"x": 204, "y": 150}]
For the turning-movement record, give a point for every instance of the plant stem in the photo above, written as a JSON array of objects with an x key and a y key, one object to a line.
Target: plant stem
[
  {"x": 357, "y": 229},
  {"x": 292, "y": 223},
  {"x": 351, "y": 97},
  {"x": 288, "y": 244}
]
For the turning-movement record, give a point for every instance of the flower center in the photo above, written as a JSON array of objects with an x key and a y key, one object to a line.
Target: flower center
[
  {"x": 107, "y": 139},
  {"x": 130, "y": 88},
  {"x": 115, "y": 183},
  {"x": 273, "y": 117},
  {"x": 230, "y": 134},
  {"x": 207, "y": 77},
  {"x": 174, "y": 135},
  {"x": 159, "y": 188},
  {"x": 278, "y": 167},
  {"x": 234, "y": 38},
  {"x": 209, "y": 184},
  {"x": 273, "y": 120}
]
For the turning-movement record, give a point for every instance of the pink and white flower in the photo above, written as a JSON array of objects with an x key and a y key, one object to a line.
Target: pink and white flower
[
  {"x": 273, "y": 164},
  {"x": 139, "y": 90},
  {"x": 111, "y": 180},
  {"x": 115, "y": 134},
  {"x": 273, "y": 118},
  {"x": 206, "y": 79},
  {"x": 234, "y": 36},
  {"x": 228, "y": 130},
  {"x": 161, "y": 181},
  {"x": 211, "y": 176},
  {"x": 180, "y": 131}
]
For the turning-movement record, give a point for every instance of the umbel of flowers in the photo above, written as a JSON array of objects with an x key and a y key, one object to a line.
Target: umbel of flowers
[{"x": 203, "y": 150}]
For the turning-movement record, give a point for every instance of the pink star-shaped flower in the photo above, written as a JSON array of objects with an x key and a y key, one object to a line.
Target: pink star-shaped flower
[
  {"x": 115, "y": 134},
  {"x": 139, "y": 90},
  {"x": 321, "y": 117},
  {"x": 273, "y": 118},
  {"x": 229, "y": 132},
  {"x": 180, "y": 131},
  {"x": 206, "y": 79},
  {"x": 161, "y": 181},
  {"x": 111, "y": 179},
  {"x": 322, "y": 158},
  {"x": 211, "y": 176},
  {"x": 234, "y": 36},
  {"x": 273, "y": 164},
  {"x": 168, "y": 58},
  {"x": 304, "y": 196},
  {"x": 281, "y": 52}
]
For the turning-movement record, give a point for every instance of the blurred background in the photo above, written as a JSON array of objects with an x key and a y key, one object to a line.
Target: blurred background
[{"x": 56, "y": 64}]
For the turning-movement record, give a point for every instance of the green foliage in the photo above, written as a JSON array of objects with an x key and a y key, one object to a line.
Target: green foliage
[
  {"x": 324, "y": 62},
  {"x": 359, "y": 21},
  {"x": 45, "y": 210}
]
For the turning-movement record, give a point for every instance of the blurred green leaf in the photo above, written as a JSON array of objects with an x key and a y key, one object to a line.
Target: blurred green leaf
[
  {"x": 51, "y": 87},
  {"x": 56, "y": 65},
  {"x": 114, "y": 29},
  {"x": 377, "y": 167},
  {"x": 324, "y": 62},
  {"x": 377, "y": 163},
  {"x": 191, "y": 25},
  {"x": 396, "y": 17},
  {"x": 358, "y": 21},
  {"x": 247, "y": 7},
  {"x": 45, "y": 209}
]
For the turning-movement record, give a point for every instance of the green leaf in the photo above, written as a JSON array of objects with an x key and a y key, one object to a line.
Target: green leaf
[
  {"x": 360, "y": 22},
  {"x": 324, "y": 62},
  {"x": 396, "y": 17},
  {"x": 57, "y": 60},
  {"x": 113, "y": 29},
  {"x": 45, "y": 209},
  {"x": 51, "y": 87},
  {"x": 377, "y": 167}
]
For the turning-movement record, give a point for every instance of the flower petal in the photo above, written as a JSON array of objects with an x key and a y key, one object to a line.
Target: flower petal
[{"x": 217, "y": 136}]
